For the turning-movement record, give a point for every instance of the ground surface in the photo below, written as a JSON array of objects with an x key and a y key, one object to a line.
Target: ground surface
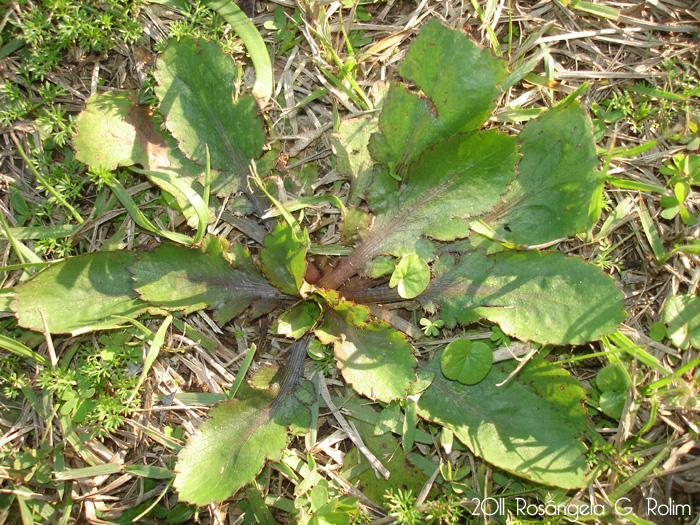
[{"x": 615, "y": 47}]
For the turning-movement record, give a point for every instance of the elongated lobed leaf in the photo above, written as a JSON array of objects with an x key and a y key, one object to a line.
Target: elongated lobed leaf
[
  {"x": 179, "y": 278},
  {"x": 79, "y": 294},
  {"x": 542, "y": 297},
  {"x": 465, "y": 85},
  {"x": 551, "y": 196},
  {"x": 373, "y": 356},
  {"x": 195, "y": 89},
  {"x": 532, "y": 426},
  {"x": 284, "y": 259},
  {"x": 458, "y": 96},
  {"x": 457, "y": 178},
  {"x": 231, "y": 447}
]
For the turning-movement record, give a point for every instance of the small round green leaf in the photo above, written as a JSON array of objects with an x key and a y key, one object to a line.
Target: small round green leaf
[
  {"x": 657, "y": 331},
  {"x": 316, "y": 349},
  {"x": 411, "y": 275},
  {"x": 612, "y": 379},
  {"x": 466, "y": 362},
  {"x": 612, "y": 402}
]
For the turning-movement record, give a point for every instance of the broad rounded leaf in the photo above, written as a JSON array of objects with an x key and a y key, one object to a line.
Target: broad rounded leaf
[
  {"x": 195, "y": 89},
  {"x": 612, "y": 403},
  {"x": 115, "y": 130},
  {"x": 466, "y": 362},
  {"x": 411, "y": 276},
  {"x": 373, "y": 356},
  {"x": 532, "y": 426},
  {"x": 112, "y": 130},
  {"x": 190, "y": 279},
  {"x": 551, "y": 196},
  {"x": 284, "y": 259},
  {"x": 79, "y": 294},
  {"x": 532, "y": 296},
  {"x": 657, "y": 331},
  {"x": 682, "y": 315},
  {"x": 612, "y": 378}
]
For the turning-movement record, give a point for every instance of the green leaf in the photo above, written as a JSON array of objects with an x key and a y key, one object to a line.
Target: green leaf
[
  {"x": 466, "y": 362},
  {"x": 532, "y": 426},
  {"x": 357, "y": 470},
  {"x": 612, "y": 378},
  {"x": 682, "y": 318},
  {"x": 354, "y": 225},
  {"x": 353, "y": 158},
  {"x": 657, "y": 331},
  {"x": 17, "y": 348},
  {"x": 532, "y": 296},
  {"x": 254, "y": 44},
  {"x": 457, "y": 96},
  {"x": 195, "y": 89},
  {"x": 299, "y": 319},
  {"x": 407, "y": 127},
  {"x": 373, "y": 356},
  {"x": 111, "y": 131},
  {"x": 550, "y": 197},
  {"x": 411, "y": 276},
  {"x": 379, "y": 266},
  {"x": 79, "y": 294},
  {"x": 180, "y": 513},
  {"x": 231, "y": 447},
  {"x": 612, "y": 403},
  {"x": 187, "y": 279},
  {"x": 284, "y": 259},
  {"x": 114, "y": 130},
  {"x": 439, "y": 192},
  {"x": 464, "y": 87}
]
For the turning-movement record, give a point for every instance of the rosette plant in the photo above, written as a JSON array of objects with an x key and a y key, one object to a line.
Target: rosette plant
[{"x": 441, "y": 211}]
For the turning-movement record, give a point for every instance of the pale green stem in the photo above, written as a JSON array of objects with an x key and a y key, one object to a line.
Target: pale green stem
[{"x": 44, "y": 182}]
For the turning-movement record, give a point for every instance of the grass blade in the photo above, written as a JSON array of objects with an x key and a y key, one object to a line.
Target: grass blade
[
  {"x": 650, "y": 231},
  {"x": 242, "y": 371},
  {"x": 74, "y": 213},
  {"x": 140, "y": 219},
  {"x": 254, "y": 43},
  {"x": 153, "y": 352},
  {"x": 27, "y": 233},
  {"x": 17, "y": 348},
  {"x": 196, "y": 201}
]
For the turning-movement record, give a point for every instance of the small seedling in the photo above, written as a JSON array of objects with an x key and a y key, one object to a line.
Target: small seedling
[{"x": 431, "y": 328}]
